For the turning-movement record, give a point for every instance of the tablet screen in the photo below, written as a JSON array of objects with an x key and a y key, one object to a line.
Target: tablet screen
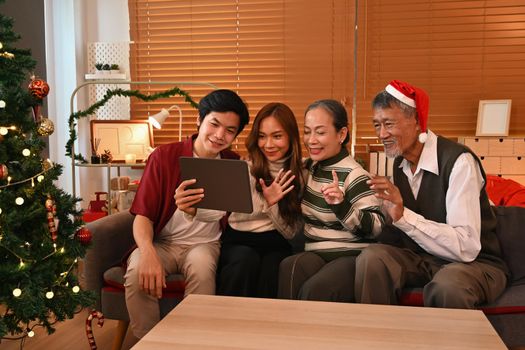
[{"x": 226, "y": 183}]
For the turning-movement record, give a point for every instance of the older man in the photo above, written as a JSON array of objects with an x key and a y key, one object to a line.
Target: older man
[{"x": 442, "y": 231}]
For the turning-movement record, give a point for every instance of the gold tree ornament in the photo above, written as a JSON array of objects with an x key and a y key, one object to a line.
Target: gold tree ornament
[
  {"x": 7, "y": 55},
  {"x": 47, "y": 164},
  {"x": 45, "y": 127}
]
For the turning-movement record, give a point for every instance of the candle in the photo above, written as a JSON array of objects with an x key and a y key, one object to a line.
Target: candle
[{"x": 130, "y": 158}]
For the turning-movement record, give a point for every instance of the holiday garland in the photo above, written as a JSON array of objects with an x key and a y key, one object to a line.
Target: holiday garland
[{"x": 110, "y": 94}]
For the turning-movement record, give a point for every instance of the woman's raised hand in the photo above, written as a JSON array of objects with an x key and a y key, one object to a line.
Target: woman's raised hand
[
  {"x": 281, "y": 185},
  {"x": 332, "y": 193}
]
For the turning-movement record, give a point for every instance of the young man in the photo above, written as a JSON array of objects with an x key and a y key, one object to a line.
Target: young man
[
  {"x": 166, "y": 241},
  {"x": 442, "y": 235}
]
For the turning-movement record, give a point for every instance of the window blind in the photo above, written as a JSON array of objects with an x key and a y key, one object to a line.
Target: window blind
[
  {"x": 266, "y": 50},
  {"x": 460, "y": 52},
  {"x": 299, "y": 51}
]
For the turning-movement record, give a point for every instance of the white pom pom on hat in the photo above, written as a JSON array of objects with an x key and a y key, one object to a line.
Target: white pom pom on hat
[{"x": 414, "y": 97}]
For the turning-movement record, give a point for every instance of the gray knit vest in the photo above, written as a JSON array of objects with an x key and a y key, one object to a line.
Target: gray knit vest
[{"x": 431, "y": 202}]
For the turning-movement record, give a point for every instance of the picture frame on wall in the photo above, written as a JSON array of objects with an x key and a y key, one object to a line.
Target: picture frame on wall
[
  {"x": 122, "y": 138},
  {"x": 493, "y": 118}
]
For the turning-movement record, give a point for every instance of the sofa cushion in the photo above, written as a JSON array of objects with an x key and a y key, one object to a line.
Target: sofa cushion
[
  {"x": 511, "y": 235},
  {"x": 510, "y": 302},
  {"x": 114, "y": 277}
]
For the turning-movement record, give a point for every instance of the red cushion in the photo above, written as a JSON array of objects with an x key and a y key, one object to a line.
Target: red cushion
[
  {"x": 411, "y": 297},
  {"x": 505, "y": 192}
]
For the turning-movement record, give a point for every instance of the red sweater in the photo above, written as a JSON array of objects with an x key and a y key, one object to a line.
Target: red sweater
[{"x": 154, "y": 198}]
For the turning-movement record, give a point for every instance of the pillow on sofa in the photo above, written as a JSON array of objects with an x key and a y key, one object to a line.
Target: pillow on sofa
[
  {"x": 511, "y": 235},
  {"x": 506, "y": 192}
]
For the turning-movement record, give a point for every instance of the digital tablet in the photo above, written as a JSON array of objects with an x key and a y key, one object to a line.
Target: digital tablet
[{"x": 226, "y": 183}]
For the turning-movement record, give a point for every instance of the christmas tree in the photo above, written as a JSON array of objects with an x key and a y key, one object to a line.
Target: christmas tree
[{"x": 41, "y": 233}]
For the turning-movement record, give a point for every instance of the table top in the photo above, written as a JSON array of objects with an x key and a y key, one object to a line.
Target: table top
[{"x": 217, "y": 322}]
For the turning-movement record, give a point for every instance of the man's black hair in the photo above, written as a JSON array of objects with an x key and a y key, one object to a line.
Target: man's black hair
[{"x": 224, "y": 101}]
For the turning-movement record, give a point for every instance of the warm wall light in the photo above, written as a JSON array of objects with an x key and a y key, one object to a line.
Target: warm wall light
[{"x": 158, "y": 119}]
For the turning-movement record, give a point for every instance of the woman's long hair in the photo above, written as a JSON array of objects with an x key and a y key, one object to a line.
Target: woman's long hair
[{"x": 289, "y": 205}]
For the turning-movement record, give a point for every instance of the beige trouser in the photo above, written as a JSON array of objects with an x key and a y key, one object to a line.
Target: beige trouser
[{"x": 198, "y": 264}]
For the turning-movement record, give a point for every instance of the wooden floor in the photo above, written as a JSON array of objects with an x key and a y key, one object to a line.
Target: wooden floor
[{"x": 71, "y": 334}]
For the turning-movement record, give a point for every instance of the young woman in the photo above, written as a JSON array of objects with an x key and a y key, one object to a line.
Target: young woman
[
  {"x": 340, "y": 211},
  {"x": 253, "y": 245}
]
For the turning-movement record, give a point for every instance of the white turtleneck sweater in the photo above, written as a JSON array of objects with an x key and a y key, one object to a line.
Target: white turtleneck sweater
[{"x": 263, "y": 218}]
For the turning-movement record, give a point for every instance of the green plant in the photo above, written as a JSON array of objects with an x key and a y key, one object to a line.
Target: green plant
[
  {"x": 99, "y": 66},
  {"x": 106, "y": 66},
  {"x": 114, "y": 66}
]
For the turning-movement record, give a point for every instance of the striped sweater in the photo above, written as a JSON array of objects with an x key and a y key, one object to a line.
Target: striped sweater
[{"x": 347, "y": 226}]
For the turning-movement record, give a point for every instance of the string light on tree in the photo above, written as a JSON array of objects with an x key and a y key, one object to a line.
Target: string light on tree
[
  {"x": 50, "y": 295},
  {"x": 75, "y": 289},
  {"x": 2, "y": 104},
  {"x": 17, "y": 292},
  {"x": 30, "y": 333},
  {"x": 26, "y": 152},
  {"x": 3, "y": 130},
  {"x": 19, "y": 200}
]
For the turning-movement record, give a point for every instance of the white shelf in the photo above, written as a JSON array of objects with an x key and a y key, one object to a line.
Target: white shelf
[
  {"x": 106, "y": 76},
  {"x": 110, "y": 166}
]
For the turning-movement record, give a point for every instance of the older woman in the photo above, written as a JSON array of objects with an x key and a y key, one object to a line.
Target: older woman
[{"x": 341, "y": 213}]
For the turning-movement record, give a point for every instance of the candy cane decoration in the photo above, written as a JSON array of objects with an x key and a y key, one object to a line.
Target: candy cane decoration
[
  {"x": 51, "y": 212},
  {"x": 89, "y": 329}
]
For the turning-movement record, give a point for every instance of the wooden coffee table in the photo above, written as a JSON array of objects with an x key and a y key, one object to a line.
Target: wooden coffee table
[{"x": 216, "y": 322}]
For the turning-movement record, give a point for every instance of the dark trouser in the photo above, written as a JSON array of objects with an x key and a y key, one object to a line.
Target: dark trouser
[
  {"x": 382, "y": 271},
  {"x": 249, "y": 263},
  {"x": 308, "y": 276}
]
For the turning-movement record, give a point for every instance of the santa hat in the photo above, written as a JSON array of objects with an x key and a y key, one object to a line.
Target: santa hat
[{"x": 414, "y": 97}]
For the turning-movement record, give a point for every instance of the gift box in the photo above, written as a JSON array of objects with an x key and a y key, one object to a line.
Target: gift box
[
  {"x": 123, "y": 199},
  {"x": 98, "y": 204},
  {"x": 119, "y": 183},
  {"x": 89, "y": 215}
]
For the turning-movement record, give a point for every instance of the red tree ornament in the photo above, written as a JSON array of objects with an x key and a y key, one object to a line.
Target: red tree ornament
[
  {"x": 38, "y": 88},
  {"x": 3, "y": 171},
  {"x": 83, "y": 235},
  {"x": 51, "y": 212}
]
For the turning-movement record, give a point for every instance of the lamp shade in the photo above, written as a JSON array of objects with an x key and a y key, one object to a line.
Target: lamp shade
[{"x": 158, "y": 119}]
